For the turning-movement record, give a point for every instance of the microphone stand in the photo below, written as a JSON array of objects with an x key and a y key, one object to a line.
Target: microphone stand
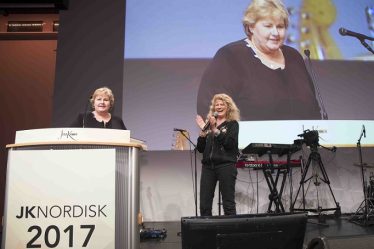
[
  {"x": 363, "y": 42},
  {"x": 195, "y": 168},
  {"x": 360, "y": 37},
  {"x": 85, "y": 113},
  {"x": 362, "y": 170},
  {"x": 364, "y": 204},
  {"x": 314, "y": 80}
]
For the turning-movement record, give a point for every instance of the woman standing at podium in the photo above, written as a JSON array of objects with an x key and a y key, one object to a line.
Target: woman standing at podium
[
  {"x": 102, "y": 102},
  {"x": 218, "y": 141}
]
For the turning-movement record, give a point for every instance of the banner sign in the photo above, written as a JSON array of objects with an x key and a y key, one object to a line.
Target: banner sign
[
  {"x": 339, "y": 133},
  {"x": 72, "y": 134},
  {"x": 60, "y": 199},
  {"x": 25, "y": 26}
]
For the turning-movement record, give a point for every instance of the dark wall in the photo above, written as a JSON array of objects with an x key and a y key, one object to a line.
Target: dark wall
[
  {"x": 89, "y": 55},
  {"x": 27, "y": 71},
  {"x": 90, "y": 50}
]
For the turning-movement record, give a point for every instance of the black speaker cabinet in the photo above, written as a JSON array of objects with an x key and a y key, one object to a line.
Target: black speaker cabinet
[
  {"x": 346, "y": 242},
  {"x": 276, "y": 231}
]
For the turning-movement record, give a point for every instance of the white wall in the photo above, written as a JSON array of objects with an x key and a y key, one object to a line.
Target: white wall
[{"x": 166, "y": 192}]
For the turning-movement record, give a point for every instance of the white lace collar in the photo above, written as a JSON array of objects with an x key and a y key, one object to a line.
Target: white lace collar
[{"x": 267, "y": 63}]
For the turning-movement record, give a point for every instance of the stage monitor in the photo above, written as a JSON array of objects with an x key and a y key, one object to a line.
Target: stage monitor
[{"x": 266, "y": 231}]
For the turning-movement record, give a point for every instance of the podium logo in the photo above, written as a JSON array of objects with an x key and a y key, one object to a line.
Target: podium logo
[
  {"x": 66, "y": 211},
  {"x": 69, "y": 135}
]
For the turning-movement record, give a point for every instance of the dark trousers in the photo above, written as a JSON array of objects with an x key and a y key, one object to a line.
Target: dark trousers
[{"x": 226, "y": 176}]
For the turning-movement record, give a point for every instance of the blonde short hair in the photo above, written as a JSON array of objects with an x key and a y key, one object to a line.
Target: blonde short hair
[
  {"x": 103, "y": 91},
  {"x": 259, "y": 9},
  {"x": 232, "y": 112}
]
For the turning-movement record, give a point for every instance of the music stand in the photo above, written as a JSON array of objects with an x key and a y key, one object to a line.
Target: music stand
[{"x": 260, "y": 149}]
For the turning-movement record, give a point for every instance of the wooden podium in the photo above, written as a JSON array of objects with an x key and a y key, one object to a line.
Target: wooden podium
[{"x": 72, "y": 188}]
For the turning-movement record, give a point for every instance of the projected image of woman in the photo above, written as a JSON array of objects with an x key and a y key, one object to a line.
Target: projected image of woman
[
  {"x": 102, "y": 102},
  {"x": 267, "y": 79},
  {"x": 219, "y": 145}
]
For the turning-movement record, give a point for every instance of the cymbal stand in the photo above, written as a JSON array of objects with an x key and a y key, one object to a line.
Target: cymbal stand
[
  {"x": 365, "y": 211},
  {"x": 315, "y": 158}
]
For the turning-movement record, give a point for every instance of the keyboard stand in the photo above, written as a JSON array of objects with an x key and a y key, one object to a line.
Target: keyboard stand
[{"x": 275, "y": 195}]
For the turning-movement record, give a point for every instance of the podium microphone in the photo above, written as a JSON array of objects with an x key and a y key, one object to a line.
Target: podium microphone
[
  {"x": 314, "y": 81},
  {"x": 181, "y": 130},
  {"x": 363, "y": 130},
  {"x": 207, "y": 125},
  {"x": 85, "y": 112},
  {"x": 344, "y": 32}
]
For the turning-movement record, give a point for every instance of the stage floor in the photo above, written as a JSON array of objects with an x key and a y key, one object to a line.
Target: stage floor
[{"x": 331, "y": 228}]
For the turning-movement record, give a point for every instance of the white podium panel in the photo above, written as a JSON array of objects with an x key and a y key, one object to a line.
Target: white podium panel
[
  {"x": 71, "y": 196},
  {"x": 69, "y": 193}
]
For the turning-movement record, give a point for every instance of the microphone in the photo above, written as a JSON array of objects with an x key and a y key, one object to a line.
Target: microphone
[
  {"x": 363, "y": 130},
  {"x": 181, "y": 130},
  {"x": 207, "y": 125},
  {"x": 359, "y": 36},
  {"x": 307, "y": 53},
  {"x": 314, "y": 81},
  {"x": 333, "y": 149},
  {"x": 85, "y": 112}
]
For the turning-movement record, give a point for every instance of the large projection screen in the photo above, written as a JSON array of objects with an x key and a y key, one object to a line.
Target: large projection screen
[{"x": 169, "y": 44}]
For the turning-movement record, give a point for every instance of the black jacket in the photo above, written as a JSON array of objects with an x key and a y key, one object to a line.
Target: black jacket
[
  {"x": 222, "y": 150},
  {"x": 90, "y": 121},
  {"x": 259, "y": 92}
]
